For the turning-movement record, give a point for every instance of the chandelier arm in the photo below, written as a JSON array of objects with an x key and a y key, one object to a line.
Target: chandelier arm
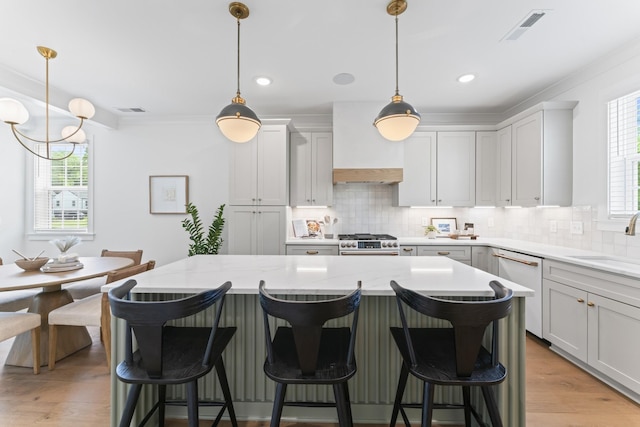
[
  {"x": 47, "y": 141},
  {"x": 17, "y": 134}
]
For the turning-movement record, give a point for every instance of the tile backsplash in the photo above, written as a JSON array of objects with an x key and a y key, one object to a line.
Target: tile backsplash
[{"x": 367, "y": 208}]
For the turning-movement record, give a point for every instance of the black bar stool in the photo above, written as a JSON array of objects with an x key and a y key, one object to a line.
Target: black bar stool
[
  {"x": 170, "y": 354},
  {"x": 450, "y": 356},
  {"x": 308, "y": 353}
]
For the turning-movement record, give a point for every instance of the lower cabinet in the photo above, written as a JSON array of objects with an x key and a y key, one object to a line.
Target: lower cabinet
[
  {"x": 312, "y": 249},
  {"x": 256, "y": 230},
  {"x": 482, "y": 258},
  {"x": 459, "y": 253},
  {"x": 587, "y": 314}
]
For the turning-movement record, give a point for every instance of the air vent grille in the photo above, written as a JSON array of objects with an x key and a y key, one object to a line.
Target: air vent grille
[
  {"x": 132, "y": 110},
  {"x": 527, "y": 22}
]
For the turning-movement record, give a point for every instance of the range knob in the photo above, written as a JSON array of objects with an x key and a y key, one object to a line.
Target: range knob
[{"x": 395, "y": 244}]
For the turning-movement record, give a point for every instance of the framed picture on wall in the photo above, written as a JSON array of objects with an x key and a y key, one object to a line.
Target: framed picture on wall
[
  {"x": 445, "y": 225},
  {"x": 168, "y": 194}
]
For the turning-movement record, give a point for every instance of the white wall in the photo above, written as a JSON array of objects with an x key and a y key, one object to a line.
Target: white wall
[{"x": 123, "y": 161}]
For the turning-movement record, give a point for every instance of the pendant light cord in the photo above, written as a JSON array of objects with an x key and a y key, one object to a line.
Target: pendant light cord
[
  {"x": 238, "y": 76},
  {"x": 397, "y": 91}
]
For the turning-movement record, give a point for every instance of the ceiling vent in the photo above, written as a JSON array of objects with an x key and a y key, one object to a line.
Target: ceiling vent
[
  {"x": 131, "y": 110},
  {"x": 526, "y": 23}
]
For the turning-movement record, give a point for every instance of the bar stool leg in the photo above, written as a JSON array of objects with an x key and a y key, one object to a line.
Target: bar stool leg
[
  {"x": 492, "y": 406},
  {"x": 427, "y": 404},
  {"x": 224, "y": 384},
  {"x": 402, "y": 383},
  {"x": 192, "y": 403},
  {"x": 162, "y": 396},
  {"x": 130, "y": 406},
  {"x": 466, "y": 393},
  {"x": 278, "y": 403}
]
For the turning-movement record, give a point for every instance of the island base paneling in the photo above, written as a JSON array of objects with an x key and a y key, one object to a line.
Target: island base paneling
[{"x": 372, "y": 390}]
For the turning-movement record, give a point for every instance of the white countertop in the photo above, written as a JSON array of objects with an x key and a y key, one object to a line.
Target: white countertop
[
  {"x": 317, "y": 275},
  {"x": 598, "y": 260}
]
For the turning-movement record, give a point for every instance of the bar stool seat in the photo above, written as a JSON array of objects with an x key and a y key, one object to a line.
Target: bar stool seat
[{"x": 450, "y": 356}]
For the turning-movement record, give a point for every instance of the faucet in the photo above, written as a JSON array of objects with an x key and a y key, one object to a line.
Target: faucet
[{"x": 631, "y": 228}]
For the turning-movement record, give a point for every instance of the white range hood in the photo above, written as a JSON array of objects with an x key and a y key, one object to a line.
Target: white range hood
[{"x": 360, "y": 154}]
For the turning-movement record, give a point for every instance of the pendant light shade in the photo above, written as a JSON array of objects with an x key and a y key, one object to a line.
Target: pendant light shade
[
  {"x": 398, "y": 119},
  {"x": 236, "y": 121}
]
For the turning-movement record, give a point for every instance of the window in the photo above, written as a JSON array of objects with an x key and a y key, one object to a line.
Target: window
[
  {"x": 624, "y": 155},
  {"x": 61, "y": 191}
]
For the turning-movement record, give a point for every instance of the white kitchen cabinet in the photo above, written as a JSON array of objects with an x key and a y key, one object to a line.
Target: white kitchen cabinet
[
  {"x": 456, "y": 171},
  {"x": 594, "y": 317},
  {"x": 408, "y": 250},
  {"x": 259, "y": 169},
  {"x": 486, "y": 168},
  {"x": 439, "y": 169},
  {"x": 542, "y": 158},
  {"x": 418, "y": 186},
  {"x": 312, "y": 249},
  {"x": 256, "y": 230},
  {"x": 311, "y": 169},
  {"x": 459, "y": 253},
  {"x": 482, "y": 258},
  {"x": 503, "y": 167}
]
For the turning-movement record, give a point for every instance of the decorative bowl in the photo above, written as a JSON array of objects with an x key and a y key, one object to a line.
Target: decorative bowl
[{"x": 32, "y": 265}]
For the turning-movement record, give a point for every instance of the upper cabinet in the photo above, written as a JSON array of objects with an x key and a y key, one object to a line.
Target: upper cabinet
[
  {"x": 541, "y": 159},
  {"x": 259, "y": 169},
  {"x": 311, "y": 169},
  {"x": 503, "y": 167},
  {"x": 486, "y": 168},
  {"x": 439, "y": 170}
]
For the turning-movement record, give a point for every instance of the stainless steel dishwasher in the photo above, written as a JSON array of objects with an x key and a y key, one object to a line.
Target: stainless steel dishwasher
[{"x": 524, "y": 270}]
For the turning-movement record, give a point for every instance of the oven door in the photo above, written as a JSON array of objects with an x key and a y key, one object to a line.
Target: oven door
[{"x": 386, "y": 253}]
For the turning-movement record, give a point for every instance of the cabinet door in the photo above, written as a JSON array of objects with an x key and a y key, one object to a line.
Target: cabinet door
[
  {"x": 503, "y": 169},
  {"x": 312, "y": 250},
  {"x": 322, "y": 168},
  {"x": 482, "y": 258},
  {"x": 241, "y": 225},
  {"x": 300, "y": 188},
  {"x": 418, "y": 186},
  {"x": 526, "y": 161},
  {"x": 459, "y": 253},
  {"x": 243, "y": 182},
  {"x": 408, "y": 250},
  {"x": 273, "y": 166},
  {"x": 564, "y": 318},
  {"x": 486, "y": 168},
  {"x": 270, "y": 230},
  {"x": 614, "y": 348},
  {"x": 456, "y": 171}
]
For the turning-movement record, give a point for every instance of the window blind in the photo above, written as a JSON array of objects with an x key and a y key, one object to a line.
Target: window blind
[
  {"x": 61, "y": 192},
  {"x": 624, "y": 155}
]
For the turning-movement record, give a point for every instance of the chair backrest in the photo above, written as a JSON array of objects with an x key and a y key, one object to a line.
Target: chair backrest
[
  {"x": 306, "y": 319},
  {"x": 468, "y": 318},
  {"x": 123, "y": 273},
  {"x": 147, "y": 320},
  {"x": 136, "y": 256}
]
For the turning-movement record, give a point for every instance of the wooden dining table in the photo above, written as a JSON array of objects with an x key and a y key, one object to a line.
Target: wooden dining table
[{"x": 52, "y": 296}]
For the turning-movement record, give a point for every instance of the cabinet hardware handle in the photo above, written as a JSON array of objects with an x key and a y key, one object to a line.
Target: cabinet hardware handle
[
  {"x": 443, "y": 253},
  {"x": 253, "y": 212},
  {"x": 253, "y": 200},
  {"x": 433, "y": 201},
  {"x": 439, "y": 200},
  {"x": 407, "y": 249},
  {"x": 531, "y": 263},
  {"x": 308, "y": 200},
  {"x": 312, "y": 252},
  {"x": 507, "y": 200},
  {"x": 580, "y": 300},
  {"x": 536, "y": 198},
  {"x": 313, "y": 200},
  {"x": 259, "y": 212},
  {"x": 259, "y": 200},
  {"x": 590, "y": 304}
]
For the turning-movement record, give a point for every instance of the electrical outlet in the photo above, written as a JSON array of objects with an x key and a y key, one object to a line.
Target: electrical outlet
[
  {"x": 425, "y": 221},
  {"x": 490, "y": 222},
  {"x": 553, "y": 226},
  {"x": 576, "y": 227}
]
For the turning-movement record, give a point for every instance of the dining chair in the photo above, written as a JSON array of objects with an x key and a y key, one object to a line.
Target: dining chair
[
  {"x": 90, "y": 311},
  {"x": 450, "y": 356},
  {"x": 169, "y": 354},
  {"x": 306, "y": 352},
  {"x": 13, "y": 324}
]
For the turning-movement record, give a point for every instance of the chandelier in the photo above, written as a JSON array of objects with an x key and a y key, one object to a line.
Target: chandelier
[
  {"x": 237, "y": 121},
  {"x": 14, "y": 113},
  {"x": 398, "y": 119}
]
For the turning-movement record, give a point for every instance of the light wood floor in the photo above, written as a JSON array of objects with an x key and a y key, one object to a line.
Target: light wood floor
[{"x": 77, "y": 393}]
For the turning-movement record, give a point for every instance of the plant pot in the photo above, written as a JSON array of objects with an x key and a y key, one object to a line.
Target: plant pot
[{"x": 431, "y": 234}]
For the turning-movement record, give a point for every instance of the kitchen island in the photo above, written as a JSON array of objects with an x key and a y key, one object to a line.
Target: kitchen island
[{"x": 373, "y": 388}]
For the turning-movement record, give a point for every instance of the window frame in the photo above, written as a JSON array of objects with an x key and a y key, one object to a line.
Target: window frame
[{"x": 35, "y": 235}]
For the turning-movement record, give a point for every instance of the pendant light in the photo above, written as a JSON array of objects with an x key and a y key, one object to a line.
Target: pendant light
[
  {"x": 14, "y": 113},
  {"x": 398, "y": 119},
  {"x": 237, "y": 121}
]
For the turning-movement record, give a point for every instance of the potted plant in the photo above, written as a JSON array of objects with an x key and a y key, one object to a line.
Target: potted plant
[
  {"x": 430, "y": 231},
  {"x": 201, "y": 245}
]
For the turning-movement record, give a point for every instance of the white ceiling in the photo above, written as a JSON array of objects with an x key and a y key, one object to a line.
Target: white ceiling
[{"x": 178, "y": 58}]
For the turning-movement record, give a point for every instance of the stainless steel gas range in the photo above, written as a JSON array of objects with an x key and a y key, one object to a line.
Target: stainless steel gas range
[{"x": 368, "y": 244}]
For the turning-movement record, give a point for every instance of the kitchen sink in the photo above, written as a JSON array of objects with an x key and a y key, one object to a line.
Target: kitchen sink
[{"x": 606, "y": 260}]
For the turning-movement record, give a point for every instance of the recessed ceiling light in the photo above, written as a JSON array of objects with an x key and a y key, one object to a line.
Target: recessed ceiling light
[
  {"x": 263, "y": 81},
  {"x": 343, "y": 79},
  {"x": 466, "y": 78}
]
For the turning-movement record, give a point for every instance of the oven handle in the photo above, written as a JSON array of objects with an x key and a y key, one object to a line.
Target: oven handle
[
  {"x": 531, "y": 263},
  {"x": 369, "y": 253}
]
